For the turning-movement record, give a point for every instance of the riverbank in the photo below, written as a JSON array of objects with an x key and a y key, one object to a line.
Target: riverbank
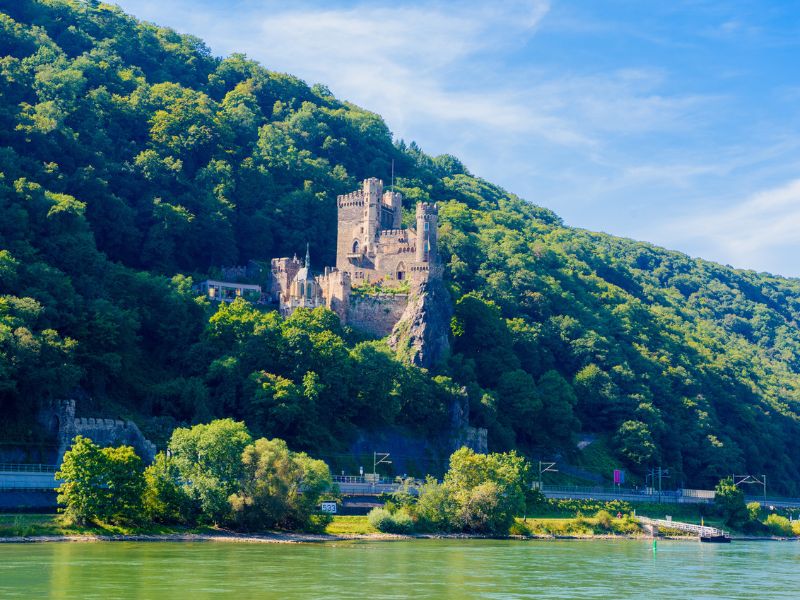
[{"x": 34, "y": 528}]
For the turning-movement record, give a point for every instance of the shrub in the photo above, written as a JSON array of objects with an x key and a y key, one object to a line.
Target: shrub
[
  {"x": 628, "y": 525},
  {"x": 754, "y": 510},
  {"x": 402, "y": 522},
  {"x": 796, "y": 528},
  {"x": 379, "y": 518},
  {"x": 386, "y": 522},
  {"x": 779, "y": 525},
  {"x": 434, "y": 507},
  {"x": 519, "y": 528},
  {"x": 604, "y": 519}
]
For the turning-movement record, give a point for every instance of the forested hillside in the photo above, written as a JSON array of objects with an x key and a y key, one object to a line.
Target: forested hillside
[{"x": 132, "y": 161}]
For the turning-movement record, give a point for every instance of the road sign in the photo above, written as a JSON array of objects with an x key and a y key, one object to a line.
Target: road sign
[
  {"x": 328, "y": 507},
  {"x": 619, "y": 476}
]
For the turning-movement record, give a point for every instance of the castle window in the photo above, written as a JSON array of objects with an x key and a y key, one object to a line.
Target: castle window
[
  {"x": 401, "y": 271},
  {"x": 355, "y": 247},
  {"x": 427, "y": 225}
]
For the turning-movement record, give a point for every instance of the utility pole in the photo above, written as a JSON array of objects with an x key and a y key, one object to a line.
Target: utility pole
[
  {"x": 546, "y": 467},
  {"x": 658, "y": 471},
  {"x": 740, "y": 479},
  {"x": 384, "y": 459}
]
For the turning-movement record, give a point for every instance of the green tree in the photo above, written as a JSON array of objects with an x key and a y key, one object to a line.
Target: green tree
[
  {"x": 208, "y": 461},
  {"x": 487, "y": 490},
  {"x": 635, "y": 443},
  {"x": 730, "y": 504},
  {"x": 278, "y": 488},
  {"x": 100, "y": 484},
  {"x": 165, "y": 499}
]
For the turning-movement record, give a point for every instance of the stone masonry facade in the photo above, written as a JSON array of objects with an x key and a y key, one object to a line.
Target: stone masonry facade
[{"x": 379, "y": 264}]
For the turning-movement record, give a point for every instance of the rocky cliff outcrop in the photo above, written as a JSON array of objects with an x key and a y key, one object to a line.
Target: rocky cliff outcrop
[{"x": 422, "y": 335}]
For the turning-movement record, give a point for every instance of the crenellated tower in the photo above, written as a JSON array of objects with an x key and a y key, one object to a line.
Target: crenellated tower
[{"x": 427, "y": 237}]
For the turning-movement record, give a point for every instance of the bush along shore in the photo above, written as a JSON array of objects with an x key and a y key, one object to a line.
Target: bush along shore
[{"x": 216, "y": 482}]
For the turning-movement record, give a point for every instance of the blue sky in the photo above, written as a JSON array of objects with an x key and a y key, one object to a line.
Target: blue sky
[{"x": 672, "y": 122}]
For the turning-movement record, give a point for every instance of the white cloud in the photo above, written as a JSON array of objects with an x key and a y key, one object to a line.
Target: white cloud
[
  {"x": 433, "y": 65},
  {"x": 748, "y": 231},
  {"x": 624, "y": 144}
]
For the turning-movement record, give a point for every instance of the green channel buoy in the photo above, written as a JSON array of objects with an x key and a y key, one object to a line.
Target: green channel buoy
[{"x": 655, "y": 545}]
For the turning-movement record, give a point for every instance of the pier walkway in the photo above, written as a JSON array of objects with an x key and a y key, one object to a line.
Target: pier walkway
[{"x": 699, "y": 530}]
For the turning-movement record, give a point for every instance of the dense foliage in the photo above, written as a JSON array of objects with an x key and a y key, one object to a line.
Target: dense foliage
[
  {"x": 213, "y": 473},
  {"x": 100, "y": 484},
  {"x": 132, "y": 160},
  {"x": 480, "y": 493}
]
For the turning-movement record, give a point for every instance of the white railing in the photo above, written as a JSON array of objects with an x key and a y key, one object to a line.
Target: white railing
[
  {"x": 700, "y": 530},
  {"x": 27, "y": 468}
]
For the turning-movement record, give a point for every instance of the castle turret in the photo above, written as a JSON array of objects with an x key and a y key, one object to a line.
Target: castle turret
[
  {"x": 427, "y": 222},
  {"x": 373, "y": 190},
  {"x": 393, "y": 209}
]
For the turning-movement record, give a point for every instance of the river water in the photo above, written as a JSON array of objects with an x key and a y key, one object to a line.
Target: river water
[{"x": 401, "y": 569}]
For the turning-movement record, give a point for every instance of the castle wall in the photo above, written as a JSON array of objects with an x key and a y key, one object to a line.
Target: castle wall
[
  {"x": 284, "y": 270},
  {"x": 62, "y": 423},
  {"x": 396, "y": 248},
  {"x": 115, "y": 432},
  {"x": 351, "y": 227},
  {"x": 376, "y": 314},
  {"x": 335, "y": 286}
]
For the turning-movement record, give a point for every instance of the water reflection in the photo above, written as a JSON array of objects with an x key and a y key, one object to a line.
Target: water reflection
[{"x": 386, "y": 570}]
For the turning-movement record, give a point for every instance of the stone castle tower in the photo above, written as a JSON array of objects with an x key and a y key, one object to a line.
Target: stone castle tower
[
  {"x": 372, "y": 245},
  {"x": 379, "y": 264}
]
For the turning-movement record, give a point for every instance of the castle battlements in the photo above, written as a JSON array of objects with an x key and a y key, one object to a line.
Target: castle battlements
[{"x": 373, "y": 249}]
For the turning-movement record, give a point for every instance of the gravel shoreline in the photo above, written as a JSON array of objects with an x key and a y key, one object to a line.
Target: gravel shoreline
[{"x": 309, "y": 538}]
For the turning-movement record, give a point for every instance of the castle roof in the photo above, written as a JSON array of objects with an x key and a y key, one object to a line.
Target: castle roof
[{"x": 304, "y": 274}]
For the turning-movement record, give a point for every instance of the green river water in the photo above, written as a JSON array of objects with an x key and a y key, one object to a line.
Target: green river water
[{"x": 401, "y": 569}]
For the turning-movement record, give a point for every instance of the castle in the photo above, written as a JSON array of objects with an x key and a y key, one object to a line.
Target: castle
[{"x": 378, "y": 263}]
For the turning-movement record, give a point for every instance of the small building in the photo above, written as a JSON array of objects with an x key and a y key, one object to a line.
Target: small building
[{"x": 227, "y": 291}]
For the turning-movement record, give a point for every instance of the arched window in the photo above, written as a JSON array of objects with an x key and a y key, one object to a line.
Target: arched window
[
  {"x": 301, "y": 289},
  {"x": 355, "y": 247},
  {"x": 309, "y": 290},
  {"x": 401, "y": 271}
]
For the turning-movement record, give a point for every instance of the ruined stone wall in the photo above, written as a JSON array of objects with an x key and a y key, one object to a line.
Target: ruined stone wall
[
  {"x": 60, "y": 420},
  {"x": 115, "y": 432},
  {"x": 376, "y": 314}
]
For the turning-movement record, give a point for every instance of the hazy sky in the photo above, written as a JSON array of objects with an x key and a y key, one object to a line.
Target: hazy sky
[{"x": 673, "y": 122}]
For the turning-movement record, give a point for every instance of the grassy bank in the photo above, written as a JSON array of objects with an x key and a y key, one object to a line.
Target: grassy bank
[
  {"x": 35, "y": 525},
  {"x": 43, "y": 526}
]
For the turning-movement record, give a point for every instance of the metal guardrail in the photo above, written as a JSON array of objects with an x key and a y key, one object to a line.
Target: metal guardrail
[
  {"x": 576, "y": 489},
  {"x": 27, "y": 468},
  {"x": 357, "y": 479}
]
